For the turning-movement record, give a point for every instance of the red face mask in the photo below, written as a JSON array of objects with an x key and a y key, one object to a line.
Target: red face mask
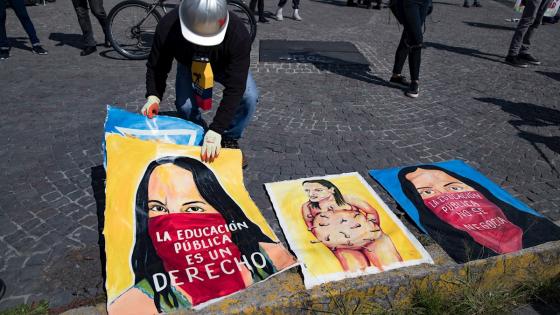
[
  {"x": 471, "y": 212},
  {"x": 199, "y": 248}
]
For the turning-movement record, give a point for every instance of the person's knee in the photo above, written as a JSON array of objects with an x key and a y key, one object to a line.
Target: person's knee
[{"x": 250, "y": 100}]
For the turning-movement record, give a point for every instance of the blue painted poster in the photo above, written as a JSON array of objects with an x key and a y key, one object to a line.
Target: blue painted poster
[{"x": 468, "y": 215}]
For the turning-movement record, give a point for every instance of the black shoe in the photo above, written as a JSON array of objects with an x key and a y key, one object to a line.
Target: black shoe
[
  {"x": 466, "y": 5},
  {"x": 88, "y": 50},
  {"x": 351, "y": 4},
  {"x": 377, "y": 7},
  {"x": 4, "y": 54},
  {"x": 400, "y": 81},
  {"x": 2, "y": 284},
  {"x": 413, "y": 90},
  {"x": 262, "y": 19},
  {"x": 39, "y": 50},
  {"x": 529, "y": 58},
  {"x": 516, "y": 62},
  {"x": 477, "y": 5}
]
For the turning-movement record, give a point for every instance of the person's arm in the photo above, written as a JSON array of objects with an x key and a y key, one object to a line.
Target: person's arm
[
  {"x": 159, "y": 61},
  {"x": 364, "y": 206},
  {"x": 307, "y": 216},
  {"x": 132, "y": 302},
  {"x": 234, "y": 80}
]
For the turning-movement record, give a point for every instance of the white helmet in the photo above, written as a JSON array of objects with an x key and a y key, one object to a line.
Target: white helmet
[{"x": 204, "y": 22}]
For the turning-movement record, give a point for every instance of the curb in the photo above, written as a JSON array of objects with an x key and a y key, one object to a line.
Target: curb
[{"x": 286, "y": 294}]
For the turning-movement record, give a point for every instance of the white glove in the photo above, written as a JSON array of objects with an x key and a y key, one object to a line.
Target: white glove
[
  {"x": 211, "y": 146},
  {"x": 151, "y": 108}
]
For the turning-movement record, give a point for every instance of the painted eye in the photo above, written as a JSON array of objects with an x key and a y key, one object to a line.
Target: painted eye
[
  {"x": 158, "y": 208},
  {"x": 194, "y": 209},
  {"x": 426, "y": 192},
  {"x": 456, "y": 188}
]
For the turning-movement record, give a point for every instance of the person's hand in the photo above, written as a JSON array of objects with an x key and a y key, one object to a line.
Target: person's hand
[
  {"x": 151, "y": 108},
  {"x": 211, "y": 146}
]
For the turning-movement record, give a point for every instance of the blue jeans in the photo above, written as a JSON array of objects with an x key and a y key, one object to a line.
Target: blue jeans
[
  {"x": 187, "y": 108},
  {"x": 530, "y": 20},
  {"x": 24, "y": 19}
]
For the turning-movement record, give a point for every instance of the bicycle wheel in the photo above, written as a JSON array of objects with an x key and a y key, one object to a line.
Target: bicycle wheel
[
  {"x": 132, "y": 26},
  {"x": 239, "y": 8}
]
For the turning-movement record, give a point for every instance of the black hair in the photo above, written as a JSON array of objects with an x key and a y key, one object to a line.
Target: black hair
[
  {"x": 145, "y": 261},
  {"x": 459, "y": 244},
  {"x": 323, "y": 182}
]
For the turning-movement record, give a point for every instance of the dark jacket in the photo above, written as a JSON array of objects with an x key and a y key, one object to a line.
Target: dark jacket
[{"x": 230, "y": 63}]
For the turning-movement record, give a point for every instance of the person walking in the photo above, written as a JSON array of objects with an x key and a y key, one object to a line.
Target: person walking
[
  {"x": 295, "y": 6},
  {"x": 82, "y": 11},
  {"x": 475, "y": 4},
  {"x": 532, "y": 16},
  {"x": 21, "y": 12},
  {"x": 412, "y": 15},
  {"x": 204, "y": 30},
  {"x": 252, "y": 5}
]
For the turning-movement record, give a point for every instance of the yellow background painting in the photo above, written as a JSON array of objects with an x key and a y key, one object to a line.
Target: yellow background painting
[
  {"x": 127, "y": 159},
  {"x": 288, "y": 198}
]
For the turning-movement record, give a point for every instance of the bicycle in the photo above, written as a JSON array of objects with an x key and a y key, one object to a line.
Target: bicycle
[{"x": 132, "y": 25}]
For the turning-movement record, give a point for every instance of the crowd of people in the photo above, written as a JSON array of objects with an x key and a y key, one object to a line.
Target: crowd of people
[{"x": 223, "y": 42}]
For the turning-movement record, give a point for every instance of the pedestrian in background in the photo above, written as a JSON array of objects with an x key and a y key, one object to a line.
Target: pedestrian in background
[
  {"x": 475, "y": 4},
  {"x": 21, "y": 12},
  {"x": 412, "y": 15},
  {"x": 295, "y": 6},
  {"x": 252, "y": 5},
  {"x": 518, "y": 54},
  {"x": 81, "y": 7}
]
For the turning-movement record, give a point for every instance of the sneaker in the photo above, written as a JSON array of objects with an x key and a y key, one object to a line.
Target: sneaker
[
  {"x": 466, "y": 5},
  {"x": 516, "y": 62},
  {"x": 279, "y": 16},
  {"x": 4, "y": 54},
  {"x": 39, "y": 50},
  {"x": 296, "y": 15},
  {"x": 413, "y": 90},
  {"x": 262, "y": 19},
  {"x": 400, "y": 81},
  {"x": 529, "y": 58},
  {"x": 377, "y": 7},
  {"x": 477, "y": 5},
  {"x": 230, "y": 143}
]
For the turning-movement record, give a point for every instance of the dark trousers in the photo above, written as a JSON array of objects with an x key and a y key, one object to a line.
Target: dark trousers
[
  {"x": 295, "y": 3},
  {"x": 530, "y": 20},
  {"x": 24, "y": 19},
  {"x": 252, "y": 5},
  {"x": 412, "y": 15},
  {"x": 82, "y": 11}
]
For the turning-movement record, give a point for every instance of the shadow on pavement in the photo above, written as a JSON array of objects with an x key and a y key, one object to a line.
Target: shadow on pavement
[
  {"x": 19, "y": 42},
  {"x": 113, "y": 54},
  {"x": 467, "y": 52},
  {"x": 532, "y": 115},
  {"x": 98, "y": 177},
  {"x": 63, "y": 39},
  {"x": 552, "y": 75},
  {"x": 490, "y": 26}
]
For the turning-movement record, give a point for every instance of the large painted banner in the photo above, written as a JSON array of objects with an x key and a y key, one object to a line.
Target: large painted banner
[
  {"x": 180, "y": 233},
  {"x": 339, "y": 228},
  {"x": 551, "y": 10},
  {"x": 468, "y": 215}
]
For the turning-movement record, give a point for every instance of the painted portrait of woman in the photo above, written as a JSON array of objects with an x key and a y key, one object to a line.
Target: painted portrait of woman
[
  {"x": 466, "y": 219},
  {"x": 193, "y": 243},
  {"x": 348, "y": 226}
]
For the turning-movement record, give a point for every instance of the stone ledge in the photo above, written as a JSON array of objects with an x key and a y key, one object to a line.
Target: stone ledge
[{"x": 286, "y": 294}]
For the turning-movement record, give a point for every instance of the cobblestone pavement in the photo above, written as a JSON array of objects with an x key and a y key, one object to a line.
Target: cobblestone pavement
[{"x": 311, "y": 120}]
